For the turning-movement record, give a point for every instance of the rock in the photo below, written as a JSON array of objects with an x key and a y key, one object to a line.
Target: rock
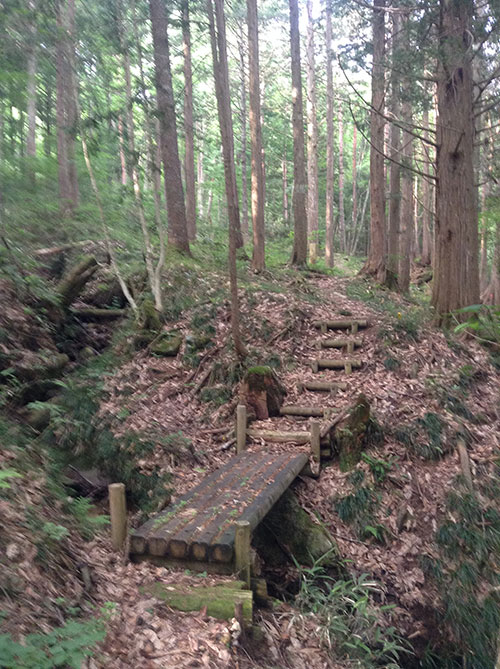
[
  {"x": 355, "y": 433},
  {"x": 288, "y": 530},
  {"x": 262, "y": 392},
  {"x": 149, "y": 318},
  {"x": 167, "y": 344}
]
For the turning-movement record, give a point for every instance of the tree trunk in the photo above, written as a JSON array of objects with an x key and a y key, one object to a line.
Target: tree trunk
[
  {"x": 391, "y": 279},
  {"x": 217, "y": 26},
  {"x": 31, "y": 88},
  {"x": 299, "y": 254},
  {"x": 65, "y": 192},
  {"x": 456, "y": 273},
  {"x": 188, "y": 125},
  {"x": 284, "y": 174},
  {"x": 341, "y": 180},
  {"x": 243, "y": 153},
  {"x": 177, "y": 223},
  {"x": 407, "y": 211},
  {"x": 329, "y": 211},
  {"x": 70, "y": 102},
  {"x": 121, "y": 151},
  {"x": 312, "y": 142},
  {"x": 426, "y": 203},
  {"x": 258, "y": 257},
  {"x": 354, "y": 181},
  {"x": 200, "y": 180},
  {"x": 375, "y": 264}
]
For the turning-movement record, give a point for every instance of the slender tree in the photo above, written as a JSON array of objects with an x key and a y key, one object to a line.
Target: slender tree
[
  {"x": 243, "y": 117},
  {"x": 329, "y": 209},
  {"x": 31, "y": 87},
  {"x": 217, "y": 26},
  {"x": 312, "y": 141},
  {"x": 299, "y": 254},
  {"x": 341, "y": 180},
  {"x": 258, "y": 257},
  {"x": 188, "y": 124},
  {"x": 426, "y": 201},
  {"x": 177, "y": 223},
  {"x": 375, "y": 264}
]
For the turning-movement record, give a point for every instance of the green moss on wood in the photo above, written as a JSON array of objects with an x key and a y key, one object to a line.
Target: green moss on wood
[{"x": 167, "y": 344}]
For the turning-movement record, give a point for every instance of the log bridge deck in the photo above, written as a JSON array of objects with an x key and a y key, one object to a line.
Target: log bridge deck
[{"x": 198, "y": 531}]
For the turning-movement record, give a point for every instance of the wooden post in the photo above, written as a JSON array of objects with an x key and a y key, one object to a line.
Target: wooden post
[
  {"x": 350, "y": 347},
  {"x": 118, "y": 514},
  {"x": 324, "y": 328},
  {"x": 316, "y": 440},
  {"x": 354, "y": 327},
  {"x": 242, "y": 550},
  {"x": 348, "y": 367},
  {"x": 241, "y": 428},
  {"x": 314, "y": 366}
]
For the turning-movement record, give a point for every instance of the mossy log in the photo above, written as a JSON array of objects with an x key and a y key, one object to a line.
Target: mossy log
[
  {"x": 219, "y": 600},
  {"x": 94, "y": 314},
  {"x": 262, "y": 392},
  {"x": 350, "y": 438},
  {"x": 149, "y": 317},
  {"x": 344, "y": 324},
  {"x": 167, "y": 344},
  {"x": 288, "y": 531},
  {"x": 72, "y": 284},
  {"x": 340, "y": 343}
]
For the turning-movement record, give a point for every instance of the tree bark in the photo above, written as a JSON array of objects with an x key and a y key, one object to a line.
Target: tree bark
[
  {"x": 31, "y": 87},
  {"x": 354, "y": 181},
  {"x": 426, "y": 204},
  {"x": 70, "y": 103},
  {"x": 312, "y": 142},
  {"x": 217, "y": 27},
  {"x": 299, "y": 254},
  {"x": 188, "y": 125},
  {"x": 243, "y": 153},
  {"x": 258, "y": 256},
  {"x": 284, "y": 175},
  {"x": 456, "y": 273},
  {"x": 375, "y": 264},
  {"x": 341, "y": 180},
  {"x": 407, "y": 210},
  {"x": 65, "y": 191},
  {"x": 329, "y": 210},
  {"x": 391, "y": 279},
  {"x": 177, "y": 223}
]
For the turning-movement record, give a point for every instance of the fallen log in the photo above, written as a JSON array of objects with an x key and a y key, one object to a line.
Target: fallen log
[
  {"x": 95, "y": 314},
  {"x": 72, "y": 284},
  {"x": 344, "y": 324},
  {"x": 295, "y": 410},
  {"x": 340, "y": 343}
]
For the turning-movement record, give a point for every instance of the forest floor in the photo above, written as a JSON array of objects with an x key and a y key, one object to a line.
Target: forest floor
[{"x": 424, "y": 387}]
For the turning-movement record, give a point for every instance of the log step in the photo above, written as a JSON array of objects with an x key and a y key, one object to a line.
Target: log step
[
  {"x": 340, "y": 343},
  {"x": 341, "y": 363},
  {"x": 321, "y": 386},
  {"x": 307, "y": 411},
  {"x": 344, "y": 324},
  {"x": 282, "y": 436}
]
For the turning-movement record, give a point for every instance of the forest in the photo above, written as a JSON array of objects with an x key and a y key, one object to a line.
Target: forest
[{"x": 250, "y": 334}]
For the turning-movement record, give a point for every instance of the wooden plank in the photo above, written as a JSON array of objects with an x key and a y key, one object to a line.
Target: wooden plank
[
  {"x": 279, "y": 437},
  {"x": 307, "y": 411}
]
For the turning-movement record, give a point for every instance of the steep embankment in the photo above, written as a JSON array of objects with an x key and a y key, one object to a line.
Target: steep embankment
[{"x": 169, "y": 421}]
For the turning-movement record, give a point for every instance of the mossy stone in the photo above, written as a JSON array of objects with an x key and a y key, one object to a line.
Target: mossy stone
[
  {"x": 149, "y": 316},
  {"x": 167, "y": 344},
  {"x": 219, "y": 599},
  {"x": 350, "y": 436}
]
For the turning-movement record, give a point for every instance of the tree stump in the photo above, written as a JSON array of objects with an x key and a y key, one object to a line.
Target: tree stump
[
  {"x": 353, "y": 433},
  {"x": 262, "y": 393}
]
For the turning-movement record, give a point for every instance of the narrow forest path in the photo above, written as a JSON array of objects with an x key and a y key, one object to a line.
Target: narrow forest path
[{"x": 409, "y": 373}]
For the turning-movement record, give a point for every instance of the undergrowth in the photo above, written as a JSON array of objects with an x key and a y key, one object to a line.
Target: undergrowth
[{"x": 348, "y": 621}]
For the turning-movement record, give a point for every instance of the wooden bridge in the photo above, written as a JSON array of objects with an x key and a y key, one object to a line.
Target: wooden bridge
[
  {"x": 208, "y": 529},
  {"x": 198, "y": 531}
]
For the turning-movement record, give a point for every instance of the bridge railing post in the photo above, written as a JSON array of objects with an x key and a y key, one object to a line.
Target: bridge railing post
[
  {"x": 242, "y": 550},
  {"x": 316, "y": 440},
  {"x": 118, "y": 514},
  {"x": 241, "y": 428}
]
